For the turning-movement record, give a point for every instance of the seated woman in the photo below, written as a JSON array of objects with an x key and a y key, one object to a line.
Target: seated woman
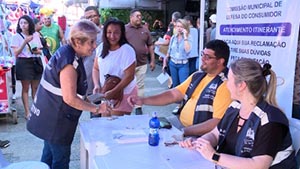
[
  {"x": 115, "y": 57},
  {"x": 254, "y": 132}
]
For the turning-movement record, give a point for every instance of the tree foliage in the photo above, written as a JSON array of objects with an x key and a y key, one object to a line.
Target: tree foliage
[{"x": 123, "y": 14}]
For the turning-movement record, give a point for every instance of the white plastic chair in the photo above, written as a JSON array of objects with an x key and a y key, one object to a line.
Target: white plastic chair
[
  {"x": 4, "y": 164},
  {"x": 295, "y": 133}
]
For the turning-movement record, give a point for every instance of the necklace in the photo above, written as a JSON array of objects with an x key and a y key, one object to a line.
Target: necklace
[
  {"x": 239, "y": 117},
  {"x": 241, "y": 121}
]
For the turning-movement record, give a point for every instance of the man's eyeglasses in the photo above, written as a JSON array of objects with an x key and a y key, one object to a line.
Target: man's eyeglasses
[
  {"x": 206, "y": 56},
  {"x": 138, "y": 16},
  {"x": 92, "y": 16}
]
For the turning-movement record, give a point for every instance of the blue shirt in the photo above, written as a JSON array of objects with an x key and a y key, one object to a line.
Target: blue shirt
[
  {"x": 176, "y": 48},
  {"x": 194, "y": 33}
]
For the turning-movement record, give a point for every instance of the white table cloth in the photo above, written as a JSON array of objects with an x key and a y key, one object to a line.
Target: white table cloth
[{"x": 101, "y": 149}]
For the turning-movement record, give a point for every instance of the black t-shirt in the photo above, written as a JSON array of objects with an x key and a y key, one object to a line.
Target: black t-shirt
[{"x": 267, "y": 139}]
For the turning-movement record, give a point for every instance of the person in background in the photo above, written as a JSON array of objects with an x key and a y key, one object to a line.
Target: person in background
[
  {"x": 45, "y": 49},
  {"x": 179, "y": 48},
  {"x": 177, "y": 55},
  {"x": 116, "y": 57},
  {"x": 25, "y": 45},
  {"x": 53, "y": 34},
  {"x": 171, "y": 27},
  {"x": 141, "y": 40},
  {"x": 165, "y": 43},
  {"x": 62, "y": 23},
  {"x": 211, "y": 31},
  {"x": 204, "y": 94},
  {"x": 59, "y": 101},
  {"x": 170, "y": 31},
  {"x": 92, "y": 13},
  {"x": 158, "y": 27},
  {"x": 198, "y": 29},
  {"x": 254, "y": 132},
  {"x": 194, "y": 54}
]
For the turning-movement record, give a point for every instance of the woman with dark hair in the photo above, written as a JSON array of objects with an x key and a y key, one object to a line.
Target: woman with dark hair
[
  {"x": 25, "y": 45},
  {"x": 114, "y": 56},
  {"x": 38, "y": 27},
  {"x": 254, "y": 132}
]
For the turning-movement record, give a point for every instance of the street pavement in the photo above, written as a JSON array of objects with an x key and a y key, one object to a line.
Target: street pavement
[{"x": 24, "y": 146}]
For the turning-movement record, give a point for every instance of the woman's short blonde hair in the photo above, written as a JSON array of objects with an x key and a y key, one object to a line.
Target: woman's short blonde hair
[{"x": 82, "y": 31}]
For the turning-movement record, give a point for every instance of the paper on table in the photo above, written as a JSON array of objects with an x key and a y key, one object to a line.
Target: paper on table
[
  {"x": 129, "y": 136},
  {"x": 162, "y": 78},
  {"x": 101, "y": 148}
]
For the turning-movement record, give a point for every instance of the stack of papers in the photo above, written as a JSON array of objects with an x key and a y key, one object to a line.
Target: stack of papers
[
  {"x": 162, "y": 78},
  {"x": 161, "y": 50},
  {"x": 129, "y": 136}
]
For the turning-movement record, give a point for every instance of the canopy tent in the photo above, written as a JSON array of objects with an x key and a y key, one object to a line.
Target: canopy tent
[
  {"x": 12, "y": 10},
  {"x": 23, "y": 4}
]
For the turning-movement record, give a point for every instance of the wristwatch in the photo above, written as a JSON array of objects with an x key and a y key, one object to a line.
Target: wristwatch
[{"x": 216, "y": 157}]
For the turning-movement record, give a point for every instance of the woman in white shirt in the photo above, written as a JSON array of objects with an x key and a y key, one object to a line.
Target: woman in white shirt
[
  {"x": 26, "y": 46},
  {"x": 116, "y": 57}
]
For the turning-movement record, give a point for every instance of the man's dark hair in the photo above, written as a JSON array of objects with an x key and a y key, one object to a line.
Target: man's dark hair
[
  {"x": 94, "y": 8},
  {"x": 134, "y": 10},
  {"x": 220, "y": 48}
]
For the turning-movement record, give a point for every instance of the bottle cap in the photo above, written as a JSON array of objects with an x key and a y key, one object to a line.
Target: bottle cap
[{"x": 154, "y": 114}]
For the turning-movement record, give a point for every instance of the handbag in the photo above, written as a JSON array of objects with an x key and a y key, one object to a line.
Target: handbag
[
  {"x": 111, "y": 82},
  {"x": 38, "y": 65},
  {"x": 45, "y": 48}
]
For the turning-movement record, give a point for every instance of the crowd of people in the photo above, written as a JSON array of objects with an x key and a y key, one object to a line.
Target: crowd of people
[{"x": 230, "y": 114}]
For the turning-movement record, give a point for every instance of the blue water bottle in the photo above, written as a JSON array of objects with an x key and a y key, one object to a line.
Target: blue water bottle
[{"x": 154, "y": 125}]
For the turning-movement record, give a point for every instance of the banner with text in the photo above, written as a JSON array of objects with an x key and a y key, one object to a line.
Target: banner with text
[{"x": 264, "y": 30}]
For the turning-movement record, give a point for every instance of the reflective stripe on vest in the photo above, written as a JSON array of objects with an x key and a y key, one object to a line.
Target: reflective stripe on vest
[
  {"x": 55, "y": 90},
  {"x": 204, "y": 109}
]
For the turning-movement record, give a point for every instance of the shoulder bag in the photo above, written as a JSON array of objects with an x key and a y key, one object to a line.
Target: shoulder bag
[
  {"x": 111, "y": 82},
  {"x": 37, "y": 61}
]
